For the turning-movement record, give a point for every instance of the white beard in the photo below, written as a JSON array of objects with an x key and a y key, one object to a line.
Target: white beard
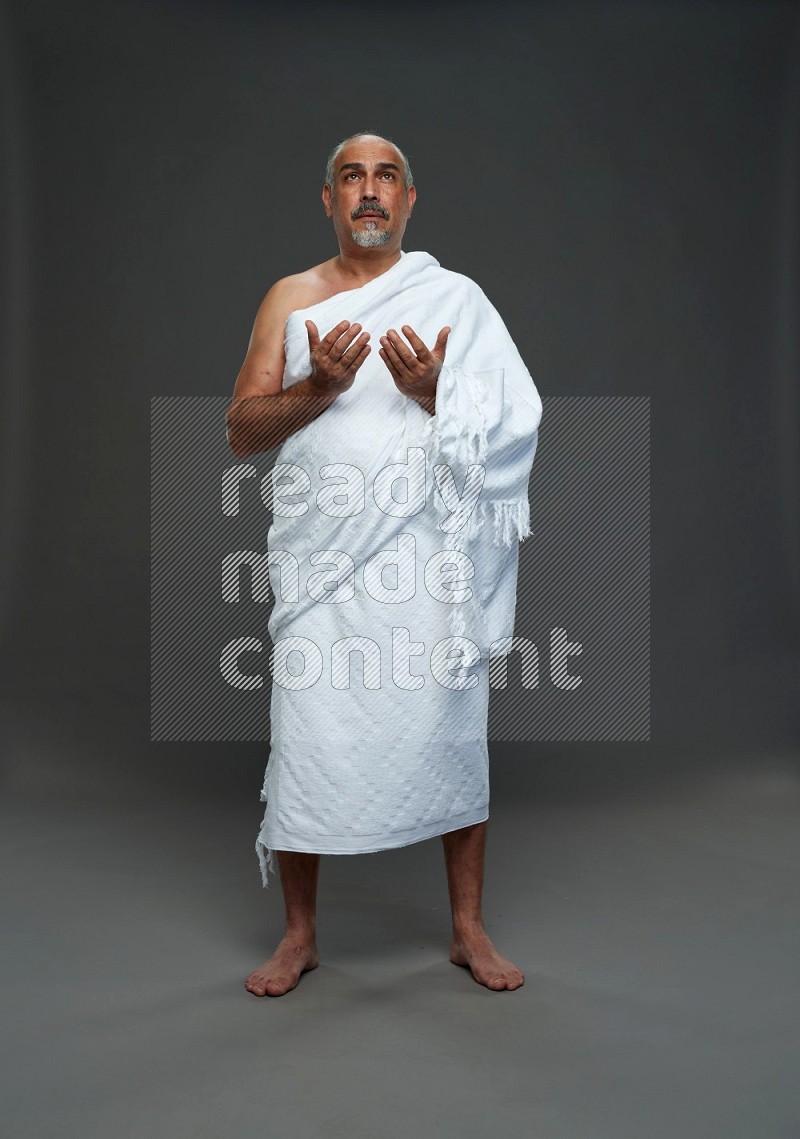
[{"x": 371, "y": 236}]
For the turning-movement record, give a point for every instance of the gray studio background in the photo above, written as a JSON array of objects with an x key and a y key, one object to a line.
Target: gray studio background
[{"x": 622, "y": 181}]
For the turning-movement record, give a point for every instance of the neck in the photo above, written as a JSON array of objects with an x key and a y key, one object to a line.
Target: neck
[{"x": 363, "y": 265}]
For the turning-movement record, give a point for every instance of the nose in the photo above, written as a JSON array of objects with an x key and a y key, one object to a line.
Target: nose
[{"x": 369, "y": 193}]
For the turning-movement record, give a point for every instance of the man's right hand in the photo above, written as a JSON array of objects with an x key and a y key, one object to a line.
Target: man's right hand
[{"x": 337, "y": 357}]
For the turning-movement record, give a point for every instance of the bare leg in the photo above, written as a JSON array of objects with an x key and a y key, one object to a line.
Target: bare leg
[
  {"x": 464, "y": 853},
  {"x": 297, "y": 950}
]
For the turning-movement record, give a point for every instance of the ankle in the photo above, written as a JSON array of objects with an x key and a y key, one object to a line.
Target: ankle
[
  {"x": 467, "y": 926},
  {"x": 300, "y": 931}
]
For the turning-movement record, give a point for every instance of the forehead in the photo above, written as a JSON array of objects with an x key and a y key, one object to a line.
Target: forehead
[{"x": 369, "y": 151}]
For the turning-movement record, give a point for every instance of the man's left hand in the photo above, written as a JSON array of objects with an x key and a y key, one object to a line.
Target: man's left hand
[{"x": 414, "y": 370}]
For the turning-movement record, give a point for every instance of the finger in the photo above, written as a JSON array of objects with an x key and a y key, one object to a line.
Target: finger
[
  {"x": 401, "y": 354},
  {"x": 313, "y": 334},
  {"x": 334, "y": 335},
  {"x": 390, "y": 364},
  {"x": 344, "y": 341},
  {"x": 360, "y": 358},
  {"x": 393, "y": 360},
  {"x": 419, "y": 346},
  {"x": 354, "y": 350}
]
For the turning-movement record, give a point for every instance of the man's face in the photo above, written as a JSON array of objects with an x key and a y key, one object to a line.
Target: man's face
[{"x": 369, "y": 202}]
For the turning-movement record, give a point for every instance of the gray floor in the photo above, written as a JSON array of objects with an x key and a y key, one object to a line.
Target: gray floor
[{"x": 652, "y": 905}]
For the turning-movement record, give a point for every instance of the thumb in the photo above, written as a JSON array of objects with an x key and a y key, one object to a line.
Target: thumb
[
  {"x": 441, "y": 340},
  {"x": 313, "y": 334}
]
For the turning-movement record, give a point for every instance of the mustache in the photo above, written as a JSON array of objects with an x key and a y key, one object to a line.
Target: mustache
[{"x": 369, "y": 210}]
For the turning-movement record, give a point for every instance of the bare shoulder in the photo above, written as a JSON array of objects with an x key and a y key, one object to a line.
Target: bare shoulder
[
  {"x": 263, "y": 367},
  {"x": 288, "y": 293},
  {"x": 298, "y": 290}
]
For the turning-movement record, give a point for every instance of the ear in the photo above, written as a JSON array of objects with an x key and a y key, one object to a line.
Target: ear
[
  {"x": 326, "y": 199},
  {"x": 412, "y": 197}
]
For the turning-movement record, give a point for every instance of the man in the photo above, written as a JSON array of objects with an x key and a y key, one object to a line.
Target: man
[{"x": 400, "y": 757}]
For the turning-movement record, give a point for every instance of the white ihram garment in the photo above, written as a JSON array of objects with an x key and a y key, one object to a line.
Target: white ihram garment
[{"x": 399, "y": 755}]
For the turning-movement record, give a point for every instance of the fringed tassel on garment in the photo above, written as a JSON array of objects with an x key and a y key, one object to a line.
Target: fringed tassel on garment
[
  {"x": 512, "y": 521},
  {"x": 265, "y": 861},
  {"x": 476, "y": 429},
  {"x": 509, "y": 520},
  {"x": 472, "y": 442},
  {"x": 462, "y": 613}
]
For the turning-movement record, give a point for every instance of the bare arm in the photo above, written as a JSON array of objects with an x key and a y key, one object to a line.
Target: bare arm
[
  {"x": 261, "y": 414},
  {"x": 260, "y": 422}
]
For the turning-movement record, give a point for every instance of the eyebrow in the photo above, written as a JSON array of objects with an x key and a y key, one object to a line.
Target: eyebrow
[{"x": 360, "y": 166}]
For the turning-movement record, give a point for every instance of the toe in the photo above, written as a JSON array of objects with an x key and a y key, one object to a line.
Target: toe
[{"x": 277, "y": 986}]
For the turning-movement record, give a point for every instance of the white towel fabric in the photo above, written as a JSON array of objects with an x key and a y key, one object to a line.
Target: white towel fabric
[{"x": 387, "y": 746}]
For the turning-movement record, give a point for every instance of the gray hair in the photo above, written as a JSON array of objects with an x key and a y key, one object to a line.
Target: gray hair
[{"x": 334, "y": 154}]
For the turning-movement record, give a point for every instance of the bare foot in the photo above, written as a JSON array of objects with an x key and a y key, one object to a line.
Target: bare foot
[
  {"x": 294, "y": 956},
  {"x": 474, "y": 949}
]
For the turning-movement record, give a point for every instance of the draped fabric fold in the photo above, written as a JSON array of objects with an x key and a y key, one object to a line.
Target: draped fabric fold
[{"x": 488, "y": 420}]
